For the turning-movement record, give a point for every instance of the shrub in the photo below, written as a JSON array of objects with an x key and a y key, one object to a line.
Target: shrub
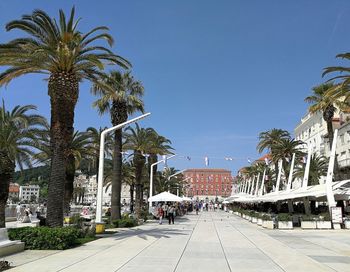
[
  {"x": 125, "y": 222},
  {"x": 325, "y": 217},
  {"x": 284, "y": 217},
  {"x": 266, "y": 217},
  {"x": 306, "y": 217},
  {"x": 45, "y": 237}
]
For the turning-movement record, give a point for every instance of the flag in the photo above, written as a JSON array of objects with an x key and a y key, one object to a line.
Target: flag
[
  {"x": 266, "y": 161},
  {"x": 249, "y": 160},
  {"x": 188, "y": 157},
  {"x": 206, "y": 160},
  {"x": 229, "y": 159},
  {"x": 165, "y": 161}
]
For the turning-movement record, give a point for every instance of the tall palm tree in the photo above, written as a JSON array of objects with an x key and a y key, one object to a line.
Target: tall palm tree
[
  {"x": 172, "y": 184},
  {"x": 341, "y": 89},
  {"x": 269, "y": 139},
  {"x": 318, "y": 168},
  {"x": 124, "y": 100},
  {"x": 160, "y": 145},
  {"x": 321, "y": 102},
  {"x": 139, "y": 140},
  {"x": 94, "y": 157},
  {"x": 67, "y": 56},
  {"x": 18, "y": 131},
  {"x": 78, "y": 149},
  {"x": 284, "y": 151}
]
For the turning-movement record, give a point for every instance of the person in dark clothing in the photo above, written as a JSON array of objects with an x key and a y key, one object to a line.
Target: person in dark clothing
[{"x": 171, "y": 212}]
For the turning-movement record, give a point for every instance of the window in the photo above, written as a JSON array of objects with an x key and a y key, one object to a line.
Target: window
[{"x": 342, "y": 138}]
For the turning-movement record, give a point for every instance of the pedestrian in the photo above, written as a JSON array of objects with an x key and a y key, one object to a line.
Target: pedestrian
[
  {"x": 171, "y": 211},
  {"x": 165, "y": 210},
  {"x": 18, "y": 211},
  {"x": 197, "y": 208},
  {"x": 160, "y": 214}
]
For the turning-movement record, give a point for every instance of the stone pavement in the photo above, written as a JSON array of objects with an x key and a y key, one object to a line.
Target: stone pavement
[{"x": 211, "y": 241}]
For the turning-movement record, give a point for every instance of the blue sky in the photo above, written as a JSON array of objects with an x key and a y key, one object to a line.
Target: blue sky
[{"x": 216, "y": 73}]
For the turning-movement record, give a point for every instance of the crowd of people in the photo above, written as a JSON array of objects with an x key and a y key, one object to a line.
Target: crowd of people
[{"x": 170, "y": 210}]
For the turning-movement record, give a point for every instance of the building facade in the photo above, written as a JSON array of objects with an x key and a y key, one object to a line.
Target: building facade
[
  {"x": 86, "y": 191},
  {"x": 29, "y": 192},
  {"x": 313, "y": 131},
  {"x": 208, "y": 183}
]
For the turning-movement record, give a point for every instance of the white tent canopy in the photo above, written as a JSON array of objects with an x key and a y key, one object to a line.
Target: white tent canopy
[
  {"x": 185, "y": 198},
  {"x": 165, "y": 196},
  {"x": 341, "y": 190}
]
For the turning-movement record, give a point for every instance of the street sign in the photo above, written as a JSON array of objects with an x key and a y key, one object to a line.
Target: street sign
[{"x": 337, "y": 216}]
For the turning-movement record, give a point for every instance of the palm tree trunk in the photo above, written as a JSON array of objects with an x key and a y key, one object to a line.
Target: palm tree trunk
[
  {"x": 330, "y": 138},
  {"x": 63, "y": 92},
  {"x": 131, "y": 198},
  {"x": 116, "y": 177},
  {"x": 68, "y": 187},
  {"x": 7, "y": 169},
  {"x": 152, "y": 159}
]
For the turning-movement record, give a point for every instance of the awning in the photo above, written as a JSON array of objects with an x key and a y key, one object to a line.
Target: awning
[{"x": 165, "y": 196}]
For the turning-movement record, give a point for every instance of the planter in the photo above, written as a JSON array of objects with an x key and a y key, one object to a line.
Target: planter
[
  {"x": 324, "y": 224},
  {"x": 249, "y": 218},
  {"x": 285, "y": 224},
  {"x": 254, "y": 220},
  {"x": 347, "y": 224},
  {"x": 267, "y": 224},
  {"x": 259, "y": 221},
  {"x": 336, "y": 226},
  {"x": 308, "y": 224}
]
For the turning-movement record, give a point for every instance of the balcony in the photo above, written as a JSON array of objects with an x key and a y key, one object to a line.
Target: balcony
[{"x": 344, "y": 163}]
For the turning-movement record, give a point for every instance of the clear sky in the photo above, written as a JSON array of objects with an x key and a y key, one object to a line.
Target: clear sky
[{"x": 216, "y": 73}]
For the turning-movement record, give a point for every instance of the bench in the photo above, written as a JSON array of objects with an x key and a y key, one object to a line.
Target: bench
[{"x": 7, "y": 246}]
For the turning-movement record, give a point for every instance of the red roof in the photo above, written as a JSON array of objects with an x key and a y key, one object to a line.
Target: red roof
[{"x": 14, "y": 188}]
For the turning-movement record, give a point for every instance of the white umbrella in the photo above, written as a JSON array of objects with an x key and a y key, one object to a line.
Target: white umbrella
[
  {"x": 185, "y": 198},
  {"x": 165, "y": 196}
]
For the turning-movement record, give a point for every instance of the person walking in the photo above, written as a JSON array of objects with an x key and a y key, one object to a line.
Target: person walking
[
  {"x": 197, "y": 208},
  {"x": 171, "y": 211},
  {"x": 160, "y": 214},
  {"x": 18, "y": 212}
]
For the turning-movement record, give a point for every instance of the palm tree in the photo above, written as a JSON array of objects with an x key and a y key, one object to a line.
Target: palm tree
[
  {"x": 78, "y": 149},
  {"x": 67, "y": 56},
  {"x": 321, "y": 102},
  {"x": 124, "y": 100},
  {"x": 18, "y": 131},
  {"x": 94, "y": 157},
  {"x": 284, "y": 151},
  {"x": 139, "y": 140},
  {"x": 269, "y": 139},
  {"x": 160, "y": 145},
  {"x": 341, "y": 89},
  {"x": 166, "y": 184},
  {"x": 318, "y": 168}
]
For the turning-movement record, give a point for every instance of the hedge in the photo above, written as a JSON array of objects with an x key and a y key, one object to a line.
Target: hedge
[{"x": 46, "y": 238}]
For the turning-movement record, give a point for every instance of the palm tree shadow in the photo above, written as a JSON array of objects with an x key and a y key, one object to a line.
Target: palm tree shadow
[{"x": 157, "y": 231}]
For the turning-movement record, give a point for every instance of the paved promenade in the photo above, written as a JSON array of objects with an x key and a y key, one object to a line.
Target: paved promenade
[{"x": 211, "y": 241}]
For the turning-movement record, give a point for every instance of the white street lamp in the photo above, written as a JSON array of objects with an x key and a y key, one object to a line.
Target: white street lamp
[
  {"x": 101, "y": 164},
  {"x": 151, "y": 174}
]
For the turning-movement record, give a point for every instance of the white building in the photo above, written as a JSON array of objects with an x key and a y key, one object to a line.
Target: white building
[
  {"x": 89, "y": 186},
  {"x": 27, "y": 192},
  {"x": 313, "y": 131}
]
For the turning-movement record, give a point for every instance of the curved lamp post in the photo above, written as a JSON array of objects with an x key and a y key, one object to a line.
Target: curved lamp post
[{"x": 101, "y": 164}]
